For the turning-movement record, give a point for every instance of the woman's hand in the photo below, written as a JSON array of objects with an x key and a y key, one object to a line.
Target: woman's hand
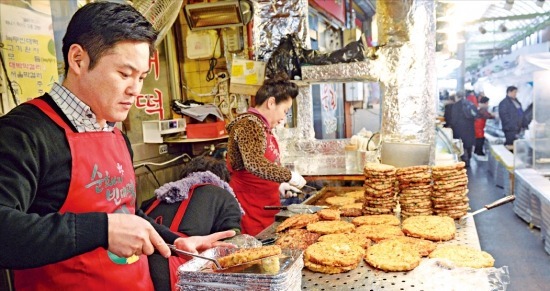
[
  {"x": 287, "y": 191},
  {"x": 297, "y": 180}
]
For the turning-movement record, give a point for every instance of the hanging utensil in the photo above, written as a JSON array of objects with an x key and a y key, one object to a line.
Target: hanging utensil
[
  {"x": 297, "y": 208},
  {"x": 509, "y": 198}
]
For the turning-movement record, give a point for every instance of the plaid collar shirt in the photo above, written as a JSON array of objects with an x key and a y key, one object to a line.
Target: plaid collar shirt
[{"x": 78, "y": 113}]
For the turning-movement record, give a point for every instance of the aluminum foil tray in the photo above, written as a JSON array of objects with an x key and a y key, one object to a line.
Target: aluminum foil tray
[{"x": 279, "y": 273}]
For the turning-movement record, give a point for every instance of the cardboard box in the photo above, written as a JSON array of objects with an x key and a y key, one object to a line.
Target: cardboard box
[
  {"x": 206, "y": 130},
  {"x": 246, "y": 76}
]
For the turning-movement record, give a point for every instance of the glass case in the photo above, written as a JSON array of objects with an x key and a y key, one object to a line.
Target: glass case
[
  {"x": 447, "y": 150},
  {"x": 533, "y": 153}
]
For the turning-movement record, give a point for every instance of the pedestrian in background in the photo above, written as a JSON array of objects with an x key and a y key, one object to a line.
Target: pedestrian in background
[
  {"x": 463, "y": 114},
  {"x": 479, "y": 125},
  {"x": 510, "y": 113}
]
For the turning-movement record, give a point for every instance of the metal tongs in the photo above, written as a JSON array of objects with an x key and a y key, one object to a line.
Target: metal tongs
[
  {"x": 173, "y": 248},
  {"x": 509, "y": 198},
  {"x": 296, "y": 208}
]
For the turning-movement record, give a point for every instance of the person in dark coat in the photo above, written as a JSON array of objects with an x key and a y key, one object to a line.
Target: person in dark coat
[
  {"x": 448, "y": 109},
  {"x": 463, "y": 114},
  {"x": 510, "y": 113}
]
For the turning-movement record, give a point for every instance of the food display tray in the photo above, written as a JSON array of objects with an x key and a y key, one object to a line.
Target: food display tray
[{"x": 276, "y": 273}]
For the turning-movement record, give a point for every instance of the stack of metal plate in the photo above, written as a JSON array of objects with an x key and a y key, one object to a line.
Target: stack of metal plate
[{"x": 282, "y": 272}]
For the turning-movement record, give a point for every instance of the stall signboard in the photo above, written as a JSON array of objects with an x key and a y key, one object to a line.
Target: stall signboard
[
  {"x": 29, "y": 51},
  {"x": 246, "y": 76}
]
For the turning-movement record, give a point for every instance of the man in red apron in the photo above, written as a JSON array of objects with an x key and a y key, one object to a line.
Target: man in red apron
[
  {"x": 67, "y": 184},
  {"x": 253, "y": 156}
]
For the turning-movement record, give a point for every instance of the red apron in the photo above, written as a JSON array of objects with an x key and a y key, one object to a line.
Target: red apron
[
  {"x": 254, "y": 193},
  {"x": 102, "y": 180},
  {"x": 174, "y": 261}
]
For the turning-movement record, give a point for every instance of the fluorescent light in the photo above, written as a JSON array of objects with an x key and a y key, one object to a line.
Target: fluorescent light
[{"x": 508, "y": 5}]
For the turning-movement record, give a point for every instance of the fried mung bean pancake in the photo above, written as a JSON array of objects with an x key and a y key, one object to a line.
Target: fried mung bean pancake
[
  {"x": 424, "y": 246},
  {"x": 352, "y": 210},
  {"x": 379, "y": 232},
  {"x": 434, "y": 228},
  {"x": 328, "y": 227},
  {"x": 355, "y": 238},
  {"x": 357, "y": 195},
  {"x": 464, "y": 256},
  {"x": 335, "y": 254},
  {"x": 244, "y": 256},
  {"x": 297, "y": 221},
  {"x": 328, "y": 269},
  {"x": 329, "y": 214},
  {"x": 393, "y": 255},
  {"x": 296, "y": 239},
  {"x": 387, "y": 219},
  {"x": 339, "y": 200}
]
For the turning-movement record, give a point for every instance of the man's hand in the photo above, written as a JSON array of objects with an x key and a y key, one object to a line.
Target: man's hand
[
  {"x": 132, "y": 235},
  {"x": 196, "y": 244}
]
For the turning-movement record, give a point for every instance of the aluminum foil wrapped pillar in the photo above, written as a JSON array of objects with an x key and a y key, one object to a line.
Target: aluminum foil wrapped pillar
[
  {"x": 405, "y": 67},
  {"x": 408, "y": 71},
  {"x": 275, "y": 19}
]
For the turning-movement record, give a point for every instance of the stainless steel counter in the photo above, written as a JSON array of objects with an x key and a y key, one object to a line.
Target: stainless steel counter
[{"x": 365, "y": 277}]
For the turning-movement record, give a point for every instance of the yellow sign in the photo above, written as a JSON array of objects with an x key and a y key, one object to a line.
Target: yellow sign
[{"x": 29, "y": 51}]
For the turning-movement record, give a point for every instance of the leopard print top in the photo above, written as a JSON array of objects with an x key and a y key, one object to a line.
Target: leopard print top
[{"x": 246, "y": 148}]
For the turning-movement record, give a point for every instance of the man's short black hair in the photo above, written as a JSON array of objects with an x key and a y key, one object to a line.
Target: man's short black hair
[
  {"x": 99, "y": 26},
  {"x": 511, "y": 88},
  {"x": 484, "y": 100}
]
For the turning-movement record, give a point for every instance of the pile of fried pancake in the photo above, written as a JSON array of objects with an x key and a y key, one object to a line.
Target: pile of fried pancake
[
  {"x": 380, "y": 189},
  {"x": 418, "y": 190},
  {"x": 450, "y": 189},
  {"x": 415, "y": 190}
]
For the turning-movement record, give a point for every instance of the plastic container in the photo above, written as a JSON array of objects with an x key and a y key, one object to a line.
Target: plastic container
[{"x": 351, "y": 157}]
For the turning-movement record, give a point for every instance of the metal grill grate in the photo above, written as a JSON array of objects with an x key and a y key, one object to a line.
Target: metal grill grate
[
  {"x": 367, "y": 278},
  {"x": 364, "y": 277}
]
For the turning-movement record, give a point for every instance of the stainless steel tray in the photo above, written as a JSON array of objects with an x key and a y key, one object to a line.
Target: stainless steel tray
[{"x": 277, "y": 273}]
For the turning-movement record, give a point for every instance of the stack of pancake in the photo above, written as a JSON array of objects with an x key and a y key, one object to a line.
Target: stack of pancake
[
  {"x": 415, "y": 190},
  {"x": 333, "y": 257},
  {"x": 450, "y": 189},
  {"x": 379, "y": 189}
]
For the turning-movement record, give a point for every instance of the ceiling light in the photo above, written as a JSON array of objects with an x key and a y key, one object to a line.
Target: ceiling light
[
  {"x": 482, "y": 30},
  {"x": 508, "y": 5},
  {"x": 218, "y": 14},
  {"x": 539, "y": 3}
]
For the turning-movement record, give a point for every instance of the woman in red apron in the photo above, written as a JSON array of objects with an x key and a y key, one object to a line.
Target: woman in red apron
[{"x": 253, "y": 156}]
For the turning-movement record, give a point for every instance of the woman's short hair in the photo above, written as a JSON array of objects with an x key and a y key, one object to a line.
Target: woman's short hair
[{"x": 206, "y": 163}]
